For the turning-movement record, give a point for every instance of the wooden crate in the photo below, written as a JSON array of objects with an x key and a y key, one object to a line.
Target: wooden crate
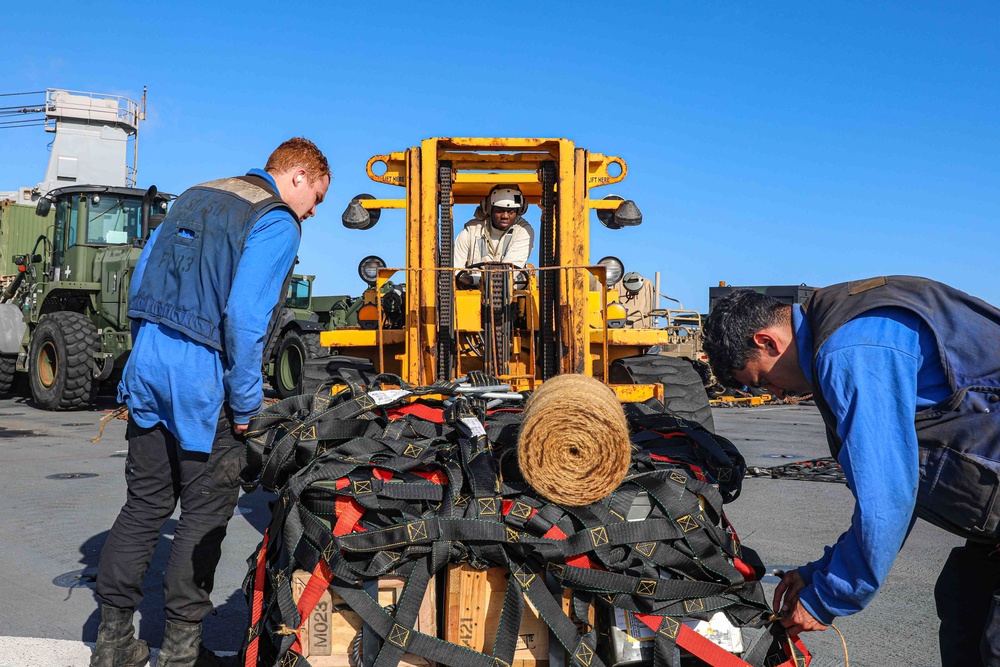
[
  {"x": 472, "y": 614},
  {"x": 326, "y": 635}
]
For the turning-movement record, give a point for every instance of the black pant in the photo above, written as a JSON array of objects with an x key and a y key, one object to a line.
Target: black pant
[
  {"x": 158, "y": 473},
  {"x": 968, "y": 603}
]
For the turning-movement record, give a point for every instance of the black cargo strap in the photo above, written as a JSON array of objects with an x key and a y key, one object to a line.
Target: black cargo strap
[{"x": 426, "y": 494}]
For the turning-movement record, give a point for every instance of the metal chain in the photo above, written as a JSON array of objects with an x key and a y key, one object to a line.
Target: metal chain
[
  {"x": 816, "y": 470},
  {"x": 547, "y": 280},
  {"x": 445, "y": 282},
  {"x": 496, "y": 284}
]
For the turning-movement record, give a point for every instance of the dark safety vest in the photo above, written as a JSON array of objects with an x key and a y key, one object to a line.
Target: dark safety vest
[
  {"x": 191, "y": 266},
  {"x": 959, "y": 438}
]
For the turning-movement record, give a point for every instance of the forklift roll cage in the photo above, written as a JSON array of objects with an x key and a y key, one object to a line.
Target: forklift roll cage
[{"x": 562, "y": 312}]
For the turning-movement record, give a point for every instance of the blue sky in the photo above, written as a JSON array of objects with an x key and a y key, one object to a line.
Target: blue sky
[{"x": 781, "y": 144}]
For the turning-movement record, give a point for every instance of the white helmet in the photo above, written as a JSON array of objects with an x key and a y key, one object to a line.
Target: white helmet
[{"x": 505, "y": 196}]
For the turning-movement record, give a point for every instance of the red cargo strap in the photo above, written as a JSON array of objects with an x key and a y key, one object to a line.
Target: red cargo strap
[
  {"x": 715, "y": 655},
  {"x": 435, "y": 477},
  {"x": 349, "y": 513},
  {"x": 258, "y": 602},
  {"x": 580, "y": 560},
  {"x": 419, "y": 410},
  {"x": 318, "y": 583},
  {"x": 744, "y": 569},
  {"x": 699, "y": 474},
  {"x": 348, "y": 510},
  {"x": 748, "y": 572}
]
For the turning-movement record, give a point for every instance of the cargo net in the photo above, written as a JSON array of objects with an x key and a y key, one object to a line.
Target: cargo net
[{"x": 376, "y": 479}]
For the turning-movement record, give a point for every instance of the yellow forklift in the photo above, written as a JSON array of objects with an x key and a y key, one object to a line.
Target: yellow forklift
[{"x": 522, "y": 325}]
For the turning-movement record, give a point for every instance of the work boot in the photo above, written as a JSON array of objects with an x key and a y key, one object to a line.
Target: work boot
[
  {"x": 182, "y": 648},
  {"x": 116, "y": 642}
]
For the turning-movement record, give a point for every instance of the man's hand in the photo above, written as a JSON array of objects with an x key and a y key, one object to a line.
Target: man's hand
[
  {"x": 793, "y": 615},
  {"x": 240, "y": 429}
]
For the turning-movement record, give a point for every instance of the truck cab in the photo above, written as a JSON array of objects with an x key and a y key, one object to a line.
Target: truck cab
[{"x": 72, "y": 289}]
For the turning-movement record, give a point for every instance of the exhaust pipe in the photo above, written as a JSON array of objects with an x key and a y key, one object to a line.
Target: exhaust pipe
[{"x": 147, "y": 200}]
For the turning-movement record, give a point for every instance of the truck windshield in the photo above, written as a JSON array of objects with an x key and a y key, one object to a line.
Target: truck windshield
[
  {"x": 113, "y": 220},
  {"x": 298, "y": 294}
]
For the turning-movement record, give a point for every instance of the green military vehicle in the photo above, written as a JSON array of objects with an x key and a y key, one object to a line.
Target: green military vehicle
[
  {"x": 69, "y": 297},
  {"x": 63, "y": 315},
  {"x": 65, "y": 272},
  {"x": 298, "y": 327}
]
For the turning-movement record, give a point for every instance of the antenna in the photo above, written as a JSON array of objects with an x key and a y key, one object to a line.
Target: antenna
[{"x": 140, "y": 115}]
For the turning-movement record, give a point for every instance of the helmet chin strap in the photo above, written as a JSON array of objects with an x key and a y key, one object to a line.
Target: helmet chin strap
[{"x": 494, "y": 226}]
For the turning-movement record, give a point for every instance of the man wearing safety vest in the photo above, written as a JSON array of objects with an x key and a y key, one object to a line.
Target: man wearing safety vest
[
  {"x": 203, "y": 300},
  {"x": 906, "y": 373},
  {"x": 497, "y": 233}
]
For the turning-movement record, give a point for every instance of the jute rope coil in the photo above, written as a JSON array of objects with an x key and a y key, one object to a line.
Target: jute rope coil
[{"x": 574, "y": 446}]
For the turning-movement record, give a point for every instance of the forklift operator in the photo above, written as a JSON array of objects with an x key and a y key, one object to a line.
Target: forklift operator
[{"x": 497, "y": 233}]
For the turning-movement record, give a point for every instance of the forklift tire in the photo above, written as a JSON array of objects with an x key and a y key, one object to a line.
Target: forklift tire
[
  {"x": 683, "y": 391},
  {"x": 712, "y": 386},
  {"x": 61, "y": 361},
  {"x": 294, "y": 350},
  {"x": 7, "y": 370}
]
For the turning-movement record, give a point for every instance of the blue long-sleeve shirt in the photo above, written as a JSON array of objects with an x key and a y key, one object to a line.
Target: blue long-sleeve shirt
[
  {"x": 875, "y": 372},
  {"x": 174, "y": 380}
]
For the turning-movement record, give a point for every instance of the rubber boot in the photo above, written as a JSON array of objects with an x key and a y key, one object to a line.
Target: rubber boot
[
  {"x": 116, "y": 642},
  {"x": 182, "y": 648}
]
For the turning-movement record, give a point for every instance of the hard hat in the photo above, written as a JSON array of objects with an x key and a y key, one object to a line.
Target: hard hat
[
  {"x": 504, "y": 196},
  {"x": 632, "y": 282}
]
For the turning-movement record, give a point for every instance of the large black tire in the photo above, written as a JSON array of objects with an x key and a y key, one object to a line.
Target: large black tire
[
  {"x": 683, "y": 390},
  {"x": 294, "y": 350},
  {"x": 7, "y": 365},
  {"x": 61, "y": 361},
  {"x": 712, "y": 386}
]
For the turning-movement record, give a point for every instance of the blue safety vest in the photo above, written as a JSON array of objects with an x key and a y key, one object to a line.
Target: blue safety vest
[
  {"x": 959, "y": 438},
  {"x": 191, "y": 266}
]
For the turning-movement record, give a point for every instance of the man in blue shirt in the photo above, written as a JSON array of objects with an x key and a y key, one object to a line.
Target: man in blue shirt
[
  {"x": 905, "y": 372},
  {"x": 202, "y": 301}
]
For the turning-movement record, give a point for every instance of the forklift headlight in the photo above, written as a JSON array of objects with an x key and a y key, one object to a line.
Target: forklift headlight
[
  {"x": 368, "y": 269},
  {"x": 614, "y": 270},
  {"x": 392, "y": 300}
]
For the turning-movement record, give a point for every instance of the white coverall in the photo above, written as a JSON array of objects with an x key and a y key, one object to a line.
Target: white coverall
[{"x": 480, "y": 242}]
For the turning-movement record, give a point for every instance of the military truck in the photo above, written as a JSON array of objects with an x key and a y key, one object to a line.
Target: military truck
[
  {"x": 68, "y": 247},
  {"x": 92, "y": 136},
  {"x": 70, "y": 297},
  {"x": 790, "y": 294},
  {"x": 299, "y": 324}
]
